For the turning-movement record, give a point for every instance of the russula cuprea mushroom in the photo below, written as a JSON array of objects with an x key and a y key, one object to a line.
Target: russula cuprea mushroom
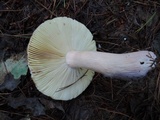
[{"x": 62, "y": 58}]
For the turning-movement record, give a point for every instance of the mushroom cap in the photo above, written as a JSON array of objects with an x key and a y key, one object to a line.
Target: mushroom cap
[{"x": 47, "y": 50}]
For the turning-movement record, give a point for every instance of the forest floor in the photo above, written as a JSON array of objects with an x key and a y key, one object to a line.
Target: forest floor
[{"x": 118, "y": 26}]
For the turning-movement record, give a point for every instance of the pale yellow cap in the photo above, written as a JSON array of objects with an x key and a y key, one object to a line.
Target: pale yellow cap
[{"x": 47, "y": 49}]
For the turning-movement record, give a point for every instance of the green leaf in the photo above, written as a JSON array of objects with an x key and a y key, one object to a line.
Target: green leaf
[
  {"x": 20, "y": 68},
  {"x": 16, "y": 65}
]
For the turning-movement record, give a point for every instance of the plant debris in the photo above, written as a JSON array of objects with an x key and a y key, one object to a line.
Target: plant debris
[
  {"x": 30, "y": 103},
  {"x": 3, "y": 116},
  {"x": 118, "y": 27},
  {"x": 10, "y": 83},
  {"x": 15, "y": 65}
]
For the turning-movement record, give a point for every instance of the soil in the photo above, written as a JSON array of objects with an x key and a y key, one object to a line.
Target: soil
[{"x": 118, "y": 26}]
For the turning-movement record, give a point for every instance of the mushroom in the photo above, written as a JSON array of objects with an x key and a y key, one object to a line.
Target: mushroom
[{"x": 62, "y": 58}]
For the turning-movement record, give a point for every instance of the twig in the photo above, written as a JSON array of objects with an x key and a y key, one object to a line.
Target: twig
[
  {"x": 45, "y": 8},
  {"x": 115, "y": 112},
  {"x": 143, "y": 3},
  {"x": 20, "y": 35},
  {"x": 10, "y": 10},
  {"x": 149, "y": 20}
]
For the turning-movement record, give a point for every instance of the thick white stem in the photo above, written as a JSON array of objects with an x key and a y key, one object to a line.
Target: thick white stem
[{"x": 128, "y": 65}]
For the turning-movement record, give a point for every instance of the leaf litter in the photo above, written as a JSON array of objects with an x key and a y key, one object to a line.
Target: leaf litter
[
  {"x": 113, "y": 24},
  {"x": 30, "y": 103},
  {"x": 9, "y": 83}
]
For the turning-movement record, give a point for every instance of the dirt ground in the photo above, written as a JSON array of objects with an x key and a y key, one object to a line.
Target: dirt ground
[{"x": 118, "y": 26}]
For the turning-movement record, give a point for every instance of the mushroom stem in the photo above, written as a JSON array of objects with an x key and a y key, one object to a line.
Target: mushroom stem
[{"x": 127, "y": 65}]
